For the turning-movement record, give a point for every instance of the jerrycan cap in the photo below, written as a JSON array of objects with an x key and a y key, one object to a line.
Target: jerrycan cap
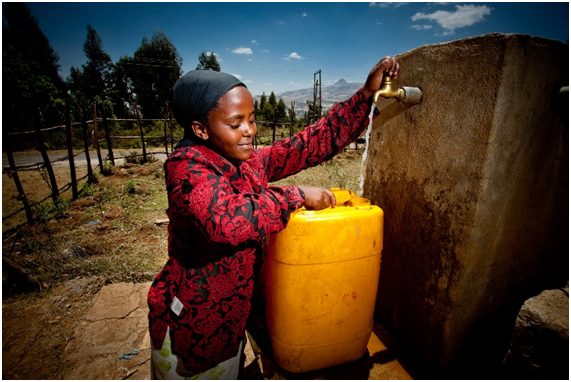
[
  {"x": 342, "y": 196},
  {"x": 348, "y": 198}
]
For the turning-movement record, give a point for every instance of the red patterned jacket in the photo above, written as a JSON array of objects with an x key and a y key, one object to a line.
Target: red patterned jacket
[{"x": 219, "y": 214}]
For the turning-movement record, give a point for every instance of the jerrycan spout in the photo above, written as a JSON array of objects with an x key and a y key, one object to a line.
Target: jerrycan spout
[{"x": 406, "y": 94}]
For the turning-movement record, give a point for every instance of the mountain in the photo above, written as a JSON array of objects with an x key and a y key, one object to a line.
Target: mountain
[{"x": 339, "y": 91}]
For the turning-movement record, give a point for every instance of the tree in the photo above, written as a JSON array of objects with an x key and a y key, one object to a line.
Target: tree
[
  {"x": 208, "y": 61},
  {"x": 281, "y": 111},
  {"x": 291, "y": 113},
  {"x": 152, "y": 72},
  {"x": 97, "y": 70},
  {"x": 120, "y": 88},
  {"x": 272, "y": 100},
  {"x": 260, "y": 114},
  {"x": 33, "y": 90}
]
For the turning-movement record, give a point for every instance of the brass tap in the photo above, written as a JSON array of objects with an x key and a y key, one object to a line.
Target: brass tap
[{"x": 404, "y": 94}]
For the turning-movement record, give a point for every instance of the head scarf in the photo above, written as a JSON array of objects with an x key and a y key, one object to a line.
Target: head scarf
[{"x": 197, "y": 92}]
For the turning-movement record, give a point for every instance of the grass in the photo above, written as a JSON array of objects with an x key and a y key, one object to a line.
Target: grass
[{"x": 111, "y": 231}]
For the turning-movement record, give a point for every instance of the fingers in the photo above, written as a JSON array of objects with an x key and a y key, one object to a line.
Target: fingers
[
  {"x": 390, "y": 65},
  {"x": 330, "y": 198},
  {"x": 325, "y": 199},
  {"x": 317, "y": 198}
]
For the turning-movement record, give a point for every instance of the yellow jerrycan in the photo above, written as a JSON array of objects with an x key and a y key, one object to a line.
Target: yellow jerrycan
[{"x": 321, "y": 275}]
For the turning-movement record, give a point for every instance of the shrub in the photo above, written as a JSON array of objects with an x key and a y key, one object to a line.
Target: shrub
[
  {"x": 107, "y": 168},
  {"x": 130, "y": 187},
  {"x": 86, "y": 190}
]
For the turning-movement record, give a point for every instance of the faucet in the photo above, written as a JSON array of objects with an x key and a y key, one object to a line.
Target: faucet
[{"x": 406, "y": 94}]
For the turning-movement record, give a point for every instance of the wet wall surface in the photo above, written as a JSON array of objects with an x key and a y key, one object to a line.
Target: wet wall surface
[{"x": 473, "y": 183}]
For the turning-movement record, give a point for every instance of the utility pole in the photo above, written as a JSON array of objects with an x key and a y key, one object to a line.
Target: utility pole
[{"x": 316, "y": 96}]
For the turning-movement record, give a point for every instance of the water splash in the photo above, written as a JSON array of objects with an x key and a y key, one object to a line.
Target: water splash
[{"x": 364, "y": 156}]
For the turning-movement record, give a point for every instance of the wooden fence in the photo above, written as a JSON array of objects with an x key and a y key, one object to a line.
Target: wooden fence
[{"x": 92, "y": 138}]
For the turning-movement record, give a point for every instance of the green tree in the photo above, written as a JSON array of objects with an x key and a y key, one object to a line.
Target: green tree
[
  {"x": 291, "y": 113},
  {"x": 261, "y": 107},
  {"x": 152, "y": 72},
  {"x": 120, "y": 88},
  {"x": 208, "y": 61},
  {"x": 256, "y": 107},
  {"x": 281, "y": 114},
  {"x": 268, "y": 113},
  {"x": 32, "y": 88},
  {"x": 97, "y": 70},
  {"x": 272, "y": 100}
]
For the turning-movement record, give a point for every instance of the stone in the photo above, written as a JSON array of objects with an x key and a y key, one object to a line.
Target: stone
[
  {"x": 540, "y": 342},
  {"x": 115, "y": 325}
]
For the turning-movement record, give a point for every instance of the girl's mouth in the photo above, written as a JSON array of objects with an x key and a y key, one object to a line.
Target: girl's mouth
[{"x": 245, "y": 146}]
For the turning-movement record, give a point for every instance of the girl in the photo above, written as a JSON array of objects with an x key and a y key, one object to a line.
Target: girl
[{"x": 221, "y": 207}]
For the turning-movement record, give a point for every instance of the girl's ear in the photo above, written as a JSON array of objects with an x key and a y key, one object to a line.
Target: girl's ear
[{"x": 200, "y": 130}]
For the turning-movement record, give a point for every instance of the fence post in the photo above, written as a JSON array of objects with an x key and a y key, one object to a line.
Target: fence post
[
  {"x": 69, "y": 143},
  {"x": 84, "y": 128},
  {"x": 48, "y": 164},
  {"x": 108, "y": 138},
  {"x": 273, "y": 132},
  {"x": 96, "y": 136},
  {"x": 166, "y": 140},
  {"x": 142, "y": 133},
  {"x": 171, "y": 126},
  {"x": 16, "y": 177}
]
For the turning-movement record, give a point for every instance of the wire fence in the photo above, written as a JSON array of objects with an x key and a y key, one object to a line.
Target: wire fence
[{"x": 97, "y": 138}]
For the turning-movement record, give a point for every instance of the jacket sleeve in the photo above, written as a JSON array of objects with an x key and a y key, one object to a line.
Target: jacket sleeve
[
  {"x": 224, "y": 216},
  {"x": 320, "y": 141}
]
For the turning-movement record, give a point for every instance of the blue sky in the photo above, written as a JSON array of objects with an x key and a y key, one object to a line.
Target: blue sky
[{"x": 278, "y": 46}]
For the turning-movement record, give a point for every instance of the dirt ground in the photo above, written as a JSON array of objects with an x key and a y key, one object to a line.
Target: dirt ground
[
  {"x": 115, "y": 232},
  {"x": 37, "y": 327}
]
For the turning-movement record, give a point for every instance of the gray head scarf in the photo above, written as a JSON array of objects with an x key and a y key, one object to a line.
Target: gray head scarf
[{"x": 196, "y": 93}]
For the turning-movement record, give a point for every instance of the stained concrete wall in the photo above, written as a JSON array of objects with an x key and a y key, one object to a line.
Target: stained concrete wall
[{"x": 474, "y": 186}]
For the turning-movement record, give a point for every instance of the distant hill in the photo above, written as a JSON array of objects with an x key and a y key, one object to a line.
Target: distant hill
[{"x": 339, "y": 91}]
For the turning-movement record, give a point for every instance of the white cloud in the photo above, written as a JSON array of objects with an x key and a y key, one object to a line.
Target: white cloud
[
  {"x": 421, "y": 27},
  {"x": 463, "y": 16},
  {"x": 385, "y": 4},
  {"x": 255, "y": 42},
  {"x": 293, "y": 56},
  {"x": 304, "y": 14},
  {"x": 242, "y": 50}
]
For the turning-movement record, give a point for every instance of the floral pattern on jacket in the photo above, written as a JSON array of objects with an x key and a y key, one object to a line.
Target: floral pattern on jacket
[{"x": 219, "y": 214}]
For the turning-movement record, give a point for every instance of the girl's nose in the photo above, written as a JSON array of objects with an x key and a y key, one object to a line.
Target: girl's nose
[{"x": 248, "y": 129}]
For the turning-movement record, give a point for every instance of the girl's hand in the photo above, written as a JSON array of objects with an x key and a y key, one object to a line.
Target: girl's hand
[
  {"x": 387, "y": 65},
  {"x": 317, "y": 198}
]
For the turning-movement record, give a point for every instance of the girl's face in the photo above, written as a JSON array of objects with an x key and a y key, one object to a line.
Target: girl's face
[{"x": 232, "y": 125}]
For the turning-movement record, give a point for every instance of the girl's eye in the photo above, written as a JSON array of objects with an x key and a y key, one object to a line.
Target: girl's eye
[{"x": 234, "y": 126}]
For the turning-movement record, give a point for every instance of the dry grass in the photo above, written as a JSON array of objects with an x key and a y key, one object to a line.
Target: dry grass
[{"x": 111, "y": 230}]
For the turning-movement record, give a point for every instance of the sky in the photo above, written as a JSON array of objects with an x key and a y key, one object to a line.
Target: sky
[{"x": 278, "y": 46}]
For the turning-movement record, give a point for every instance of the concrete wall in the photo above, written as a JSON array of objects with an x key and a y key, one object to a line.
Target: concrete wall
[{"x": 474, "y": 186}]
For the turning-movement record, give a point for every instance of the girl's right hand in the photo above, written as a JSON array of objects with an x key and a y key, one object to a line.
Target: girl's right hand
[
  {"x": 317, "y": 198},
  {"x": 388, "y": 65}
]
